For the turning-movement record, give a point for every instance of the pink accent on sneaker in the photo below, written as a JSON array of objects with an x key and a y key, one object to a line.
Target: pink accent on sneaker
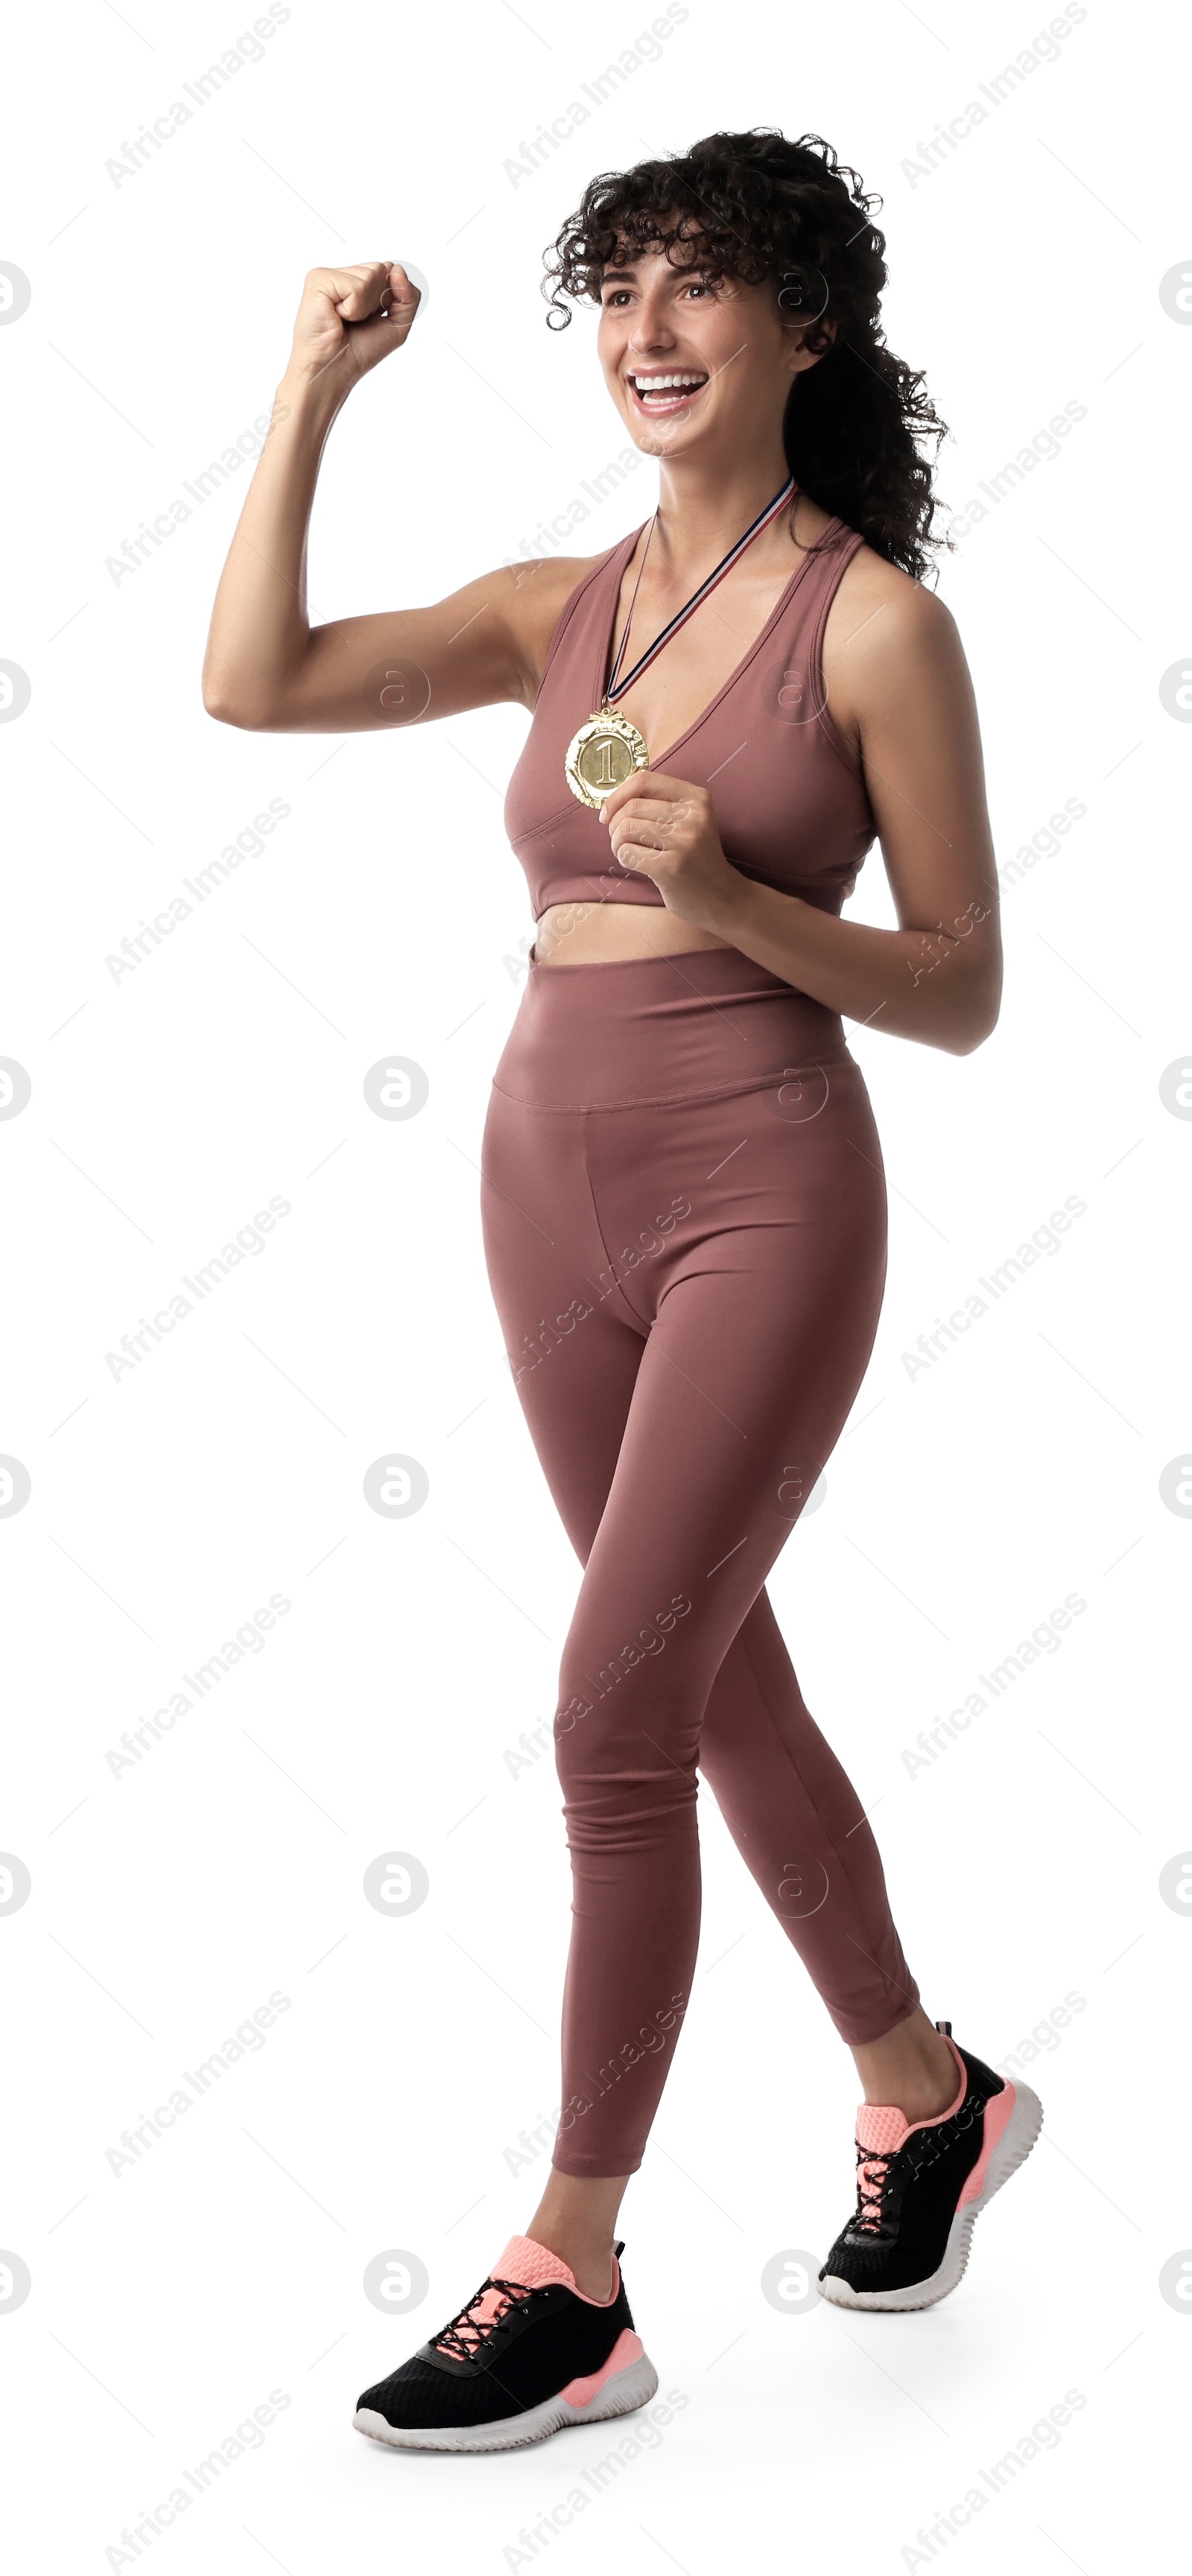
[
  {"x": 882, "y": 2128},
  {"x": 627, "y": 2348},
  {"x": 998, "y": 2113},
  {"x": 532, "y": 2266},
  {"x": 525, "y": 2260},
  {"x": 528, "y": 2266}
]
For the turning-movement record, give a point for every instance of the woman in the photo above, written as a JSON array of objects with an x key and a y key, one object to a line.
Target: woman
[{"x": 683, "y": 1200}]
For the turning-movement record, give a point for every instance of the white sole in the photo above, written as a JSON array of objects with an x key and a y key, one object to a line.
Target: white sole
[
  {"x": 1012, "y": 2149},
  {"x": 622, "y": 2395}
]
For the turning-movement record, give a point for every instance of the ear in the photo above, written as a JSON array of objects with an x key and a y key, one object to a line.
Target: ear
[
  {"x": 802, "y": 298},
  {"x": 797, "y": 355}
]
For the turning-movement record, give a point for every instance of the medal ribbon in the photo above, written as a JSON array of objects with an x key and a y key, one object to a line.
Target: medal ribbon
[{"x": 616, "y": 688}]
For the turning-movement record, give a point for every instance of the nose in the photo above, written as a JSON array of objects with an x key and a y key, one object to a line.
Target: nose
[
  {"x": 653, "y": 329},
  {"x": 652, "y": 336}
]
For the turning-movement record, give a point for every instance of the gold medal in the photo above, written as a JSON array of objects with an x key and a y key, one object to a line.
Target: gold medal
[
  {"x": 608, "y": 748},
  {"x": 605, "y": 752}
]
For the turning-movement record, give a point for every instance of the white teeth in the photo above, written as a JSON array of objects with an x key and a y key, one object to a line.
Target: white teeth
[{"x": 661, "y": 384}]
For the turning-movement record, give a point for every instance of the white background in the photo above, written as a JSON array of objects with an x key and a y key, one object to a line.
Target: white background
[{"x": 171, "y": 1898}]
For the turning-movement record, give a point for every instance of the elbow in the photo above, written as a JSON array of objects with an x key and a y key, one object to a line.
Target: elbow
[
  {"x": 217, "y": 704},
  {"x": 979, "y": 1023},
  {"x": 232, "y": 706}
]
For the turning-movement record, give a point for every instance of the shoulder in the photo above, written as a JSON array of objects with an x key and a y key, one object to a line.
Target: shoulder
[
  {"x": 870, "y": 590},
  {"x": 884, "y": 629},
  {"x": 874, "y": 592},
  {"x": 533, "y": 596}
]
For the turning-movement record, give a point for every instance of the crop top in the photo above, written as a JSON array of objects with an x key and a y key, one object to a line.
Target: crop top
[{"x": 790, "y": 808}]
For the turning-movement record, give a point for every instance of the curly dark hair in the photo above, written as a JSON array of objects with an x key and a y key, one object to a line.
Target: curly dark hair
[{"x": 753, "y": 206}]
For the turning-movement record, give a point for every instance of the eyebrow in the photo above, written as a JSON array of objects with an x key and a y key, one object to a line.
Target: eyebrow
[{"x": 685, "y": 268}]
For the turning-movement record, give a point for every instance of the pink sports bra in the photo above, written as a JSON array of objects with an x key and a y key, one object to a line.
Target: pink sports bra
[{"x": 790, "y": 809}]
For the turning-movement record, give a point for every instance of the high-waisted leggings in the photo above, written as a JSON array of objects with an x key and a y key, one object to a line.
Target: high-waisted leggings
[{"x": 685, "y": 1227}]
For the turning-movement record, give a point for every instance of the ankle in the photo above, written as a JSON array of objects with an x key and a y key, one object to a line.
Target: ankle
[
  {"x": 589, "y": 2258},
  {"x": 922, "y": 2096},
  {"x": 913, "y": 2070},
  {"x": 576, "y": 2219}
]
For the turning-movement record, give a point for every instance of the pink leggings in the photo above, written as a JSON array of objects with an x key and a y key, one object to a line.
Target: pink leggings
[{"x": 685, "y": 1226}]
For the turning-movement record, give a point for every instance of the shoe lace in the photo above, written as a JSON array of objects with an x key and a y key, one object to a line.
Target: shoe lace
[
  {"x": 469, "y": 2332},
  {"x": 872, "y": 2173}
]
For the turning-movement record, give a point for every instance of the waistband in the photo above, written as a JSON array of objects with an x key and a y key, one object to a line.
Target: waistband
[{"x": 699, "y": 1025}]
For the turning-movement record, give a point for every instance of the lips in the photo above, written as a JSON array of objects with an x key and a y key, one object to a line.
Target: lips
[{"x": 664, "y": 396}]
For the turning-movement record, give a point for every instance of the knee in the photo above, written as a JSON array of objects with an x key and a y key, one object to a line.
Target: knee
[
  {"x": 648, "y": 1645},
  {"x": 620, "y": 1776},
  {"x": 595, "y": 1682},
  {"x": 585, "y": 1759},
  {"x": 579, "y": 1731},
  {"x": 626, "y": 1728}
]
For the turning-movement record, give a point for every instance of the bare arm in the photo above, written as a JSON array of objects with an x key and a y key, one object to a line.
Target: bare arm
[
  {"x": 265, "y": 668},
  {"x": 899, "y": 688}
]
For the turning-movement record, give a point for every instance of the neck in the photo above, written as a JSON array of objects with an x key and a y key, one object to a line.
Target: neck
[{"x": 703, "y": 507}]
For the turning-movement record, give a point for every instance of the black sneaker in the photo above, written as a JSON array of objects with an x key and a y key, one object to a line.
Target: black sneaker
[
  {"x": 527, "y": 2355},
  {"x": 920, "y": 2185}
]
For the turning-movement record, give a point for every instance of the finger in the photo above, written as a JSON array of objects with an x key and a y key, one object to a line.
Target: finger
[
  {"x": 641, "y": 838},
  {"x": 359, "y": 291},
  {"x": 638, "y": 837},
  {"x": 337, "y": 282},
  {"x": 636, "y": 856},
  {"x": 400, "y": 299},
  {"x": 653, "y": 788},
  {"x": 637, "y": 784},
  {"x": 639, "y": 810},
  {"x": 658, "y": 782}
]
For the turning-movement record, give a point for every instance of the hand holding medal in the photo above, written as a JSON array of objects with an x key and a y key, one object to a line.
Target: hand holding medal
[{"x": 664, "y": 828}]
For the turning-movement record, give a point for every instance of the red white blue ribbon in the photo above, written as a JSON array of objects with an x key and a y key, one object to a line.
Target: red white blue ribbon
[{"x": 616, "y": 688}]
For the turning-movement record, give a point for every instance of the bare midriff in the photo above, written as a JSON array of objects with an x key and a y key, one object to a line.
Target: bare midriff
[{"x": 593, "y": 934}]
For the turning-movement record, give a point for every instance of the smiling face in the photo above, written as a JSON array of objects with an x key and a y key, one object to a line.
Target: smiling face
[{"x": 693, "y": 361}]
